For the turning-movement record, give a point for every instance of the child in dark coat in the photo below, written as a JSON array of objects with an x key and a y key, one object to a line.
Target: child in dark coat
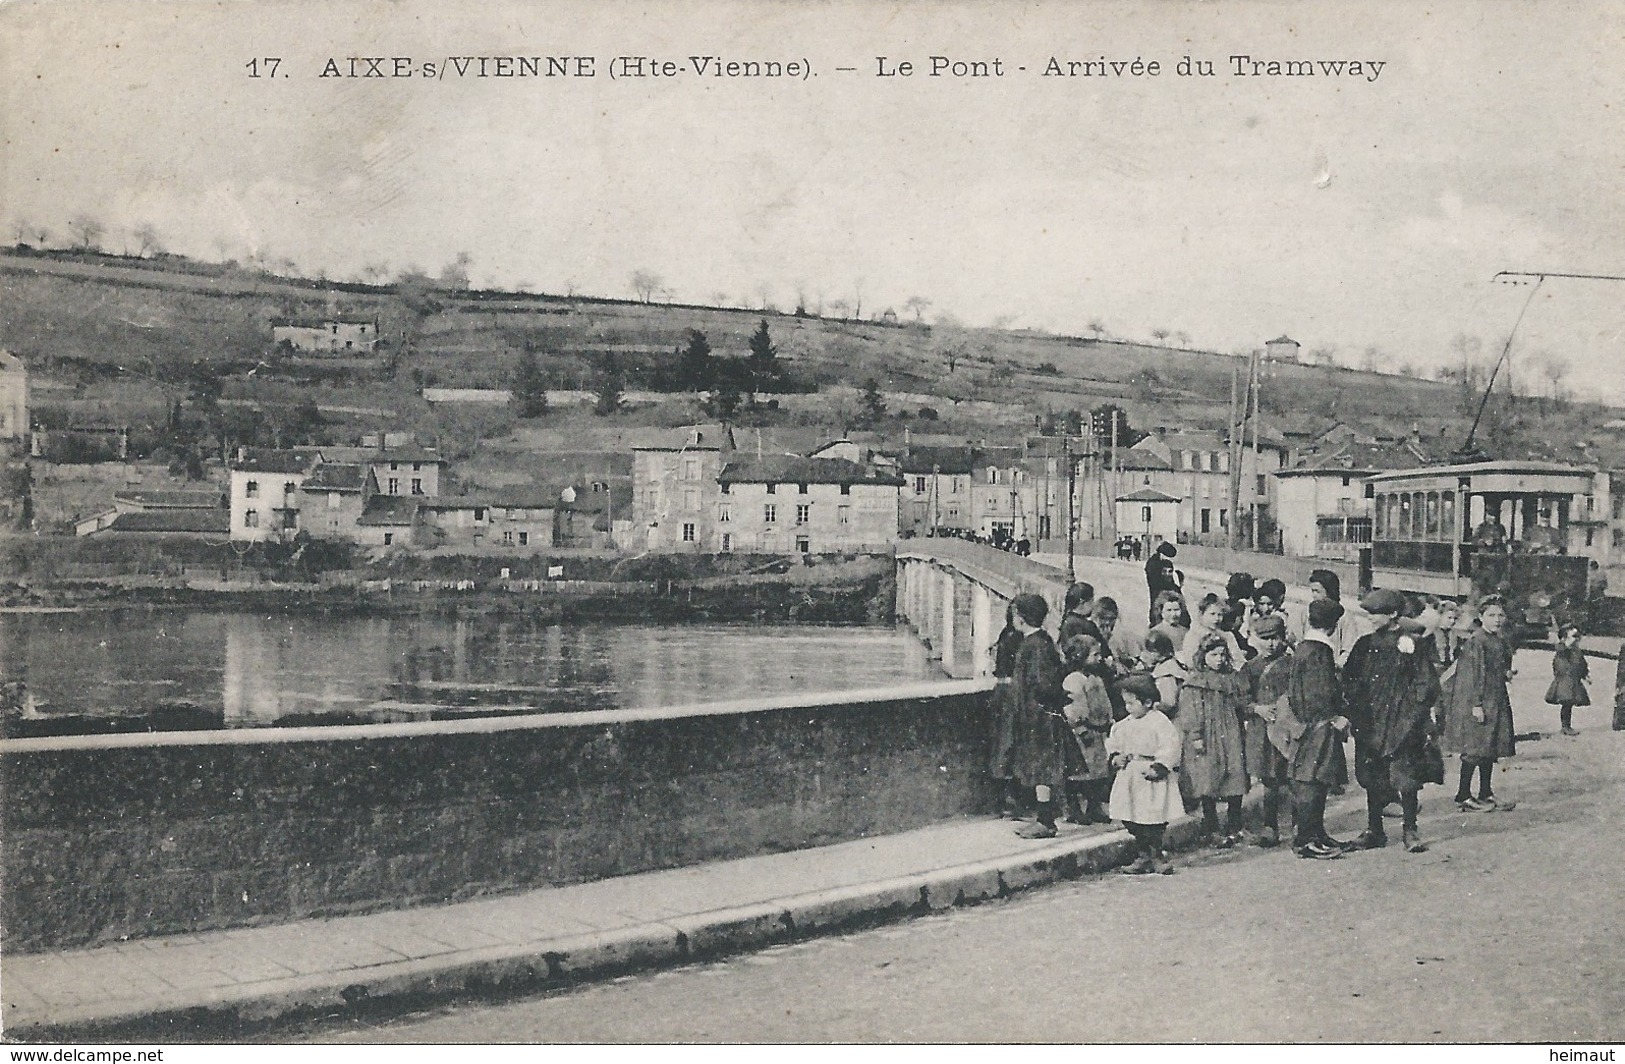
[
  {"x": 1570, "y": 674},
  {"x": 1316, "y": 698}
]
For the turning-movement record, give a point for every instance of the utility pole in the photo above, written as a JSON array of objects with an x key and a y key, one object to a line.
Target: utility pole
[
  {"x": 1252, "y": 513},
  {"x": 1071, "y": 489},
  {"x": 1117, "y": 477},
  {"x": 1230, "y": 443}
]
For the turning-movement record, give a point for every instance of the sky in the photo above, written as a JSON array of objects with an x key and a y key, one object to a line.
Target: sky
[{"x": 1349, "y": 212}]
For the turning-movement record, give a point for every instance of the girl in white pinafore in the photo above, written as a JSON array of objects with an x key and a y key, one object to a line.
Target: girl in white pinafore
[{"x": 1145, "y": 749}]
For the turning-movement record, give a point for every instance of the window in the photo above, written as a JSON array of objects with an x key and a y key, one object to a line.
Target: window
[
  {"x": 524, "y": 539},
  {"x": 801, "y": 489},
  {"x": 253, "y": 490},
  {"x": 394, "y": 485},
  {"x": 691, "y": 469},
  {"x": 954, "y": 485},
  {"x": 846, "y": 489},
  {"x": 1145, "y": 514},
  {"x": 727, "y": 541},
  {"x": 389, "y": 537},
  {"x": 992, "y": 475},
  {"x": 691, "y": 500},
  {"x": 417, "y": 485},
  {"x": 724, "y": 513},
  {"x": 1146, "y": 480},
  {"x": 1263, "y": 485},
  {"x": 770, "y": 513},
  {"x": 772, "y": 489},
  {"x": 1207, "y": 519},
  {"x": 1224, "y": 518},
  {"x": 394, "y": 466},
  {"x": 417, "y": 467},
  {"x": 334, "y": 500},
  {"x": 1345, "y": 481},
  {"x": 843, "y": 515},
  {"x": 1185, "y": 460},
  {"x": 803, "y": 545},
  {"x": 725, "y": 489},
  {"x": 1202, "y": 462},
  {"x": 803, "y": 513},
  {"x": 953, "y": 513},
  {"x": 479, "y": 513},
  {"x": 1590, "y": 535},
  {"x": 688, "y": 531},
  {"x": 507, "y": 538},
  {"x": 251, "y": 519}
]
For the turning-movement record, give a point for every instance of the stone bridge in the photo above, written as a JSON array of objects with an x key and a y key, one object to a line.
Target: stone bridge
[{"x": 953, "y": 593}]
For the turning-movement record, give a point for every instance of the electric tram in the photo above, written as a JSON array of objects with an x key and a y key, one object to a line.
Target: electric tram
[{"x": 1465, "y": 531}]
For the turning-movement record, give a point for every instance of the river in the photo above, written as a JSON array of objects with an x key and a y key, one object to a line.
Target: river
[{"x": 256, "y": 670}]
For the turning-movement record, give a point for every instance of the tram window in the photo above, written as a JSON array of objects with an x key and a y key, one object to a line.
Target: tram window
[
  {"x": 1447, "y": 516},
  {"x": 1381, "y": 522},
  {"x": 1432, "y": 527},
  {"x": 1404, "y": 530}
]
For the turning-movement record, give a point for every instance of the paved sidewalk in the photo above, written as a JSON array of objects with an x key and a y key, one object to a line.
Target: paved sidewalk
[{"x": 538, "y": 939}]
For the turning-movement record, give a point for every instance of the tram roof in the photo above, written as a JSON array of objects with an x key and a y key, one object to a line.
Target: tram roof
[{"x": 1483, "y": 470}]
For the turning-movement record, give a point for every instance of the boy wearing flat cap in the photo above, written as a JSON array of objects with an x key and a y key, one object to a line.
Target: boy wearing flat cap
[
  {"x": 1268, "y": 676},
  {"x": 1390, "y": 687}
]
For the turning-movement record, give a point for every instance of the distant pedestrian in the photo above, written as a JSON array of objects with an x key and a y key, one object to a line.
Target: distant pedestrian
[
  {"x": 1596, "y": 596},
  {"x": 1139, "y": 549},
  {"x": 1619, "y": 691},
  {"x": 1478, "y": 716},
  {"x": 1391, "y": 687},
  {"x": 1145, "y": 749},
  {"x": 1451, "y": 631},
  {"x": 1036, "y": 756},
  {"x": 1089, "y": 718},
  {"x": 1268, "y": 677},
  {"x": 1160, "y": 574},
  {"x": 1213, "y": 757},
  {"x": 1315, "y": 697},
  {"x": 1570, "y": 674},
  {"x": 1004, "y": 716}
]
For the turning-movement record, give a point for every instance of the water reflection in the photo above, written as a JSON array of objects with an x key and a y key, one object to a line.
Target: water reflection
[{"x": 257, "y": 669}]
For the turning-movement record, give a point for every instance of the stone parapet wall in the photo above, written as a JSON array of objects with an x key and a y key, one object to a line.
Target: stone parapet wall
[{"x": 108, "y": 837}]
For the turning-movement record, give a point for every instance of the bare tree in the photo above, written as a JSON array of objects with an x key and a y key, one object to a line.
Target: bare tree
[
  {"x": 1160, "y": 335},
  {"x": 374, "y": 271},
  {"x": 857, "y": 298},
  {"x": 1098, "y": 328},
  {"x": 21, "y": 229},
  {"x": 87, "y": 231},
  {"x": 1182, "y": 337},
  {"x": 839, "y": 307},
  {"x": 765, "y": 290},
  {"x": 645, "y": 283},
  {"x": 918, "y": 304},
  {"x": 454, "y": 275},
  {"x": 1324, "y": 355},
  {"x": 42, "y": 235},
  {"x": 1556, "y": 368},
  {"x": 147, "y": 240},
  {"x": 1372, "y": 358}
]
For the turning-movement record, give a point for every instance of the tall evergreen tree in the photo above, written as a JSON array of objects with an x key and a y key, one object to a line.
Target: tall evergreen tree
[
  {"x": 763, "y": 362},
  {"x": 695, "y": 369},
  {"x": 529, "y": 389},
  {"x": 611, "y": 387}
]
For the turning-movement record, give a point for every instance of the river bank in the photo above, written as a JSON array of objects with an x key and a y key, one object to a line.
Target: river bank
[{"x": 856, "y": 591}]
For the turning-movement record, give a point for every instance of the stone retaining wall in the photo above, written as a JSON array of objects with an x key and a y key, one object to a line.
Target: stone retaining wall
[{"x": 133, "y": 835}]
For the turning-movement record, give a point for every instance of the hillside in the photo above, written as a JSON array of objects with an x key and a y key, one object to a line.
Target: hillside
[{"x": 113, "y": 336}]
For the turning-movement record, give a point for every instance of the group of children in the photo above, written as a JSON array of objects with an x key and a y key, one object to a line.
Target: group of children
[{"x": 1232, "y": 698}]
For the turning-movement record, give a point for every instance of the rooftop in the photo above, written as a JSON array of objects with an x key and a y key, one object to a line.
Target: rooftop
[
  {"x": 173, "y": 499},
  {"x": 338, "y": 476},
  {"x": 1147, "y": 495},
  {"x": 215, "y": 521},
  {"x": 791, "y": 469},
  {"x": 298, "y": 460},
  {"x": 389, "y": 510}
]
